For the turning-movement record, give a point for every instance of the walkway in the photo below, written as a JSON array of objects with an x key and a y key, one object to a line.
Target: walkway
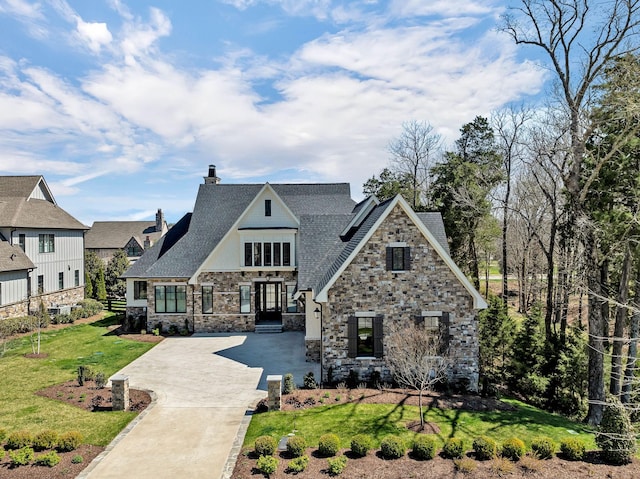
[{"x": 204, "y": 385}]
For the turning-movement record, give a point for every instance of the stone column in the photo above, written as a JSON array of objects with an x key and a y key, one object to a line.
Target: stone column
[
  {"x": 274, "y": 391},
  {"x": 120, "y": 393}
]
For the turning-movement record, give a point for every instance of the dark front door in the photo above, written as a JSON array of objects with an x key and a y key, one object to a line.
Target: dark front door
[{"x": 268, "y": 305}]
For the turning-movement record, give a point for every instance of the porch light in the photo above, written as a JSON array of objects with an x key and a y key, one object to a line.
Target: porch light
[{"x": 316, "y": 313}]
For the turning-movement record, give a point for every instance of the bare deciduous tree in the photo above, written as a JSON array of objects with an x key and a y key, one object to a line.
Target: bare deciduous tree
[
  {"x": 413, "y": 152},
  {"x": 418, "y": 357}
]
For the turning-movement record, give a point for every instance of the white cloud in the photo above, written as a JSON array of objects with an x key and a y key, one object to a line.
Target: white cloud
[
  {"x": 445, "y": 8},
  {"x": 21, "y": 8},
  {"x": 96, "y": 35}
]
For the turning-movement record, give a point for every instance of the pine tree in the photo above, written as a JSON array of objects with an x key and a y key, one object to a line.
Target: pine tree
[
  {"x": 101, "y": 289},
  {"x": 88, "y": 285}
]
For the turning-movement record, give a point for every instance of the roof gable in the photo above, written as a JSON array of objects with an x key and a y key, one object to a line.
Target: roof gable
[{"x": 369, "y": 227}]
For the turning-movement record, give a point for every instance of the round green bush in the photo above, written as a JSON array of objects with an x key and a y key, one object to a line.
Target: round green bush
[
  {"x": 485, "y": 448},
  {"x": 453, "y": 448},
  {"x": 19, "y": 439},
  {"x": 69, "y": 441},
  {"x": 615, "y": 435},
  {"x": 328, "y": 445},
  {"x": 573, "y": 448},
  {"x": 513, "y": 448},
  {"x": 21, "y": 457},
  {"x": 296, "y": 446},
  {"x": 49, "y": 459},
  {"x": 336, "y": 465},
  {"x": 77, "y": 459},
  {"x": 265, "y": 446},
  {"x": 361, "y": 444},
  {"x": 47, "y": 439},
  {"x": 298, "y": 465},
  {"x": 267, "y": 464},
  {"x": 543, "y": 447},
  {"x": 392, "y": 447},
  {"x": 424, "y": 447}
]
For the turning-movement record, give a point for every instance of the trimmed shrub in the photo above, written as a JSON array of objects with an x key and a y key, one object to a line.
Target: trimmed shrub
[
  {"x": 328, "y": 445},
  {"x": 267, "y": 465},
  {"x": 309, "y": 381},
  {"x": 392, "y": 447},
  {"x": 49, "y": 459},
  {"x": 424, "y": 447},
  {"x": 265, "y": 446},
  {"x": 543, "y": 447},
  {"x": 298, "y": 464},
  {"x": 47, "y": 439},
  {"x": 296, "y": 446},
  {"x": 77, "y": 459},
  {"x": 513, "y": 448},
  {"x": 615, "y": 435},
  {"x": 21, "y": 457},
  {"x": 19, "y": 439},
  {"x": 361, "y": 444},
  {"x": 336, "y": 465},
  {"x": 573, "y": 448},
  {"x": 90, "y": 307},
  {"x": 485, "y": 448},
  {"x": 69, "y": 441},
  {"x": 453, "y": 448},
  {"x": 288, "y": 386},
  {"x": 100, "y": 380}
]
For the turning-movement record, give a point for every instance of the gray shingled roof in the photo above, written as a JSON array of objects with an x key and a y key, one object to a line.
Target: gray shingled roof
[
  {"x": 18, "y": 212},
  {"x": 433, "y": 222},
  {"x": 12, "y": 258},
  {"x": 18, "y": 186},
  {"x": 219, "y": 206},
  {"x": 116, "y": 234}
]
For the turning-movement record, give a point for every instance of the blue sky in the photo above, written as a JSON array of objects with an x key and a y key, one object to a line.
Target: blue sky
[{"x": 122, "y": 105}]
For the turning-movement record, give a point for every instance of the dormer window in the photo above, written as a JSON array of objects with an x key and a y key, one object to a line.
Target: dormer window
[{"x": 267, "y": 207}]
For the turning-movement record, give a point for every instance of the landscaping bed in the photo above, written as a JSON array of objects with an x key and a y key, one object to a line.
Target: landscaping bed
[
  {"x": 63, "y": 470},
  {"x": 92, "y": 398}
]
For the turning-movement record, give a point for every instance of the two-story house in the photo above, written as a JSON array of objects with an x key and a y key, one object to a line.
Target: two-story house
[
  {"x": 307, "y": 257},
  {"x": 41, "y": 248}
]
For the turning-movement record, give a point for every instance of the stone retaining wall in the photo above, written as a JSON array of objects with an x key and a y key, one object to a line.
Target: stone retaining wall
[{"x": 65, "y": 297}]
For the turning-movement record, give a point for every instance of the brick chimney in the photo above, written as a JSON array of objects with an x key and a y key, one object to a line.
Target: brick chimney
[
  {"x": 147, "y": 243},
  {"x": 161, "y": 224},
  {"x": 212, "y": 179}
]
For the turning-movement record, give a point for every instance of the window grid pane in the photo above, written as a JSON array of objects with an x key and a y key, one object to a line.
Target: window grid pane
[
  {"x": 267, "y": 254},
  {"x": 365, "y": 337},
  {"x": 257, "y": 254},
  {"x": 276, "y": 254},
  {"x": 248, "y": 254},
  {"x": 207, "y": 299},
  {"x": 245, "y": 299},
  {"x": 286, "y": 254}
]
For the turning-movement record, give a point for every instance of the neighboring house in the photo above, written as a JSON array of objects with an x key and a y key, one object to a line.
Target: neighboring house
[
  {"x": 307, "y": 257},
  {"x": 134, "y": 237},
  {"x": 41, "y": 248}
]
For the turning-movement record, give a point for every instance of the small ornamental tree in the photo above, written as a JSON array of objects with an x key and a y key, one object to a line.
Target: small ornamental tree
[
  {"x": 418, "y": 358},
  {"x": 117, "y": 265},
  {"x": 615, "y": 435}
]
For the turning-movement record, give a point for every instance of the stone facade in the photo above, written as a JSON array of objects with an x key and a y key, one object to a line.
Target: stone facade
[
  {"x": 65, "y": 297},
  {"x": 312, "y": 350},
  {"x": 430, "y": 285},
  {"x": 226, "y": 316}
]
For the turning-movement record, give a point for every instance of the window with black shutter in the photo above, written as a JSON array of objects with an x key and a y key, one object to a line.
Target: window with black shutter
[
  {"x": 365, "y": 336},
  {"x": 398, "y": 258}
]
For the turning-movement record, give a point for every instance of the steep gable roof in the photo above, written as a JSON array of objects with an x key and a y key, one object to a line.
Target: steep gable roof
[
  {"x": 219, "y": 207},
  {"x": 27, "y": 202},
  {"x": 364, "y": 233},
  {"x": 116, "y": 234}
]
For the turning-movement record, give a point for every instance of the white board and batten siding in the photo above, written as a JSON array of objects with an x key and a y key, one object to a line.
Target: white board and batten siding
[{"x": 14, "y": 287}]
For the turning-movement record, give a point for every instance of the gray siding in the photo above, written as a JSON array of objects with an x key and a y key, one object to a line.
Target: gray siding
[{"x": 14, "y": 287}]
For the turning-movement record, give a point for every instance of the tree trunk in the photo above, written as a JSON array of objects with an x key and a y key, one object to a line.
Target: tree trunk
[
  {"x": 618, "y": 331},
  {"x": 632, "y": 353},
  {"x": 606, "y": 311},
  {"x": 596, "y": 390},
  {"x": 505, "y": 210}
]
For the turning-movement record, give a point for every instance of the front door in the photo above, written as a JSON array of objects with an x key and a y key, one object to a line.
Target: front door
[{"x": 268, "y": 305}]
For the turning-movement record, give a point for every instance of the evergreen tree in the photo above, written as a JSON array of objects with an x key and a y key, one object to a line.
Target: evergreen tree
[
  {"x": 388, "y": 184},
  {"x": 101, "y": 289},
  {"x": 88, "y": 285},
  {"x": 496, "y": 332},
  {"x": 118, "y": 264}
]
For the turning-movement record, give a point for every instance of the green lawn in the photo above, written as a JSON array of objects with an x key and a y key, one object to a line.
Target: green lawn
[
  {"x": 378, "y": 420},
  {"x": 87, "y": 344}
]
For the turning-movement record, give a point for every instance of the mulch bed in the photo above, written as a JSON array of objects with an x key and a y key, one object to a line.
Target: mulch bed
[
  {"x": 63, "y": 470},
  {"x": 91, "y": 398},
  {"x": 374, "y": 467}
]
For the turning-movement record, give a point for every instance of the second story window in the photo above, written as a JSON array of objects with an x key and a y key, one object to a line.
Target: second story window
[
  {"x": 267, "y": 254},
  {"x": 267, "y": 207},
  {"x": 46, "y": 243},
  {"x": 21, "y": 241}
]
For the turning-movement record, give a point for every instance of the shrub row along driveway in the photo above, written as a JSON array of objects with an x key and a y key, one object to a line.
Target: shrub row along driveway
[{"x": 204, "y": 385}]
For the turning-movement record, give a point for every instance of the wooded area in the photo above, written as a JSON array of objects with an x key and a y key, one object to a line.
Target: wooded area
[{"x": 551, "y": 192}]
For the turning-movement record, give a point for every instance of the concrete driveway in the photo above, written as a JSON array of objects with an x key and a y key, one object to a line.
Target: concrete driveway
[{"x": 205, "y": 385}]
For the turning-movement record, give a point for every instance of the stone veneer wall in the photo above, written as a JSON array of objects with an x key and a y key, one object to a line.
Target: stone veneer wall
[
  {"x": 226, "y": 302},
  {"x": 65, "y": 297},
  {"x": 430, "y": 285},
  {"x": 179, "y": 320}
]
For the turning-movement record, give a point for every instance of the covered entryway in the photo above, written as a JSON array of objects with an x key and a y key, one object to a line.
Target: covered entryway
[{"x": 268, "y": 302}]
